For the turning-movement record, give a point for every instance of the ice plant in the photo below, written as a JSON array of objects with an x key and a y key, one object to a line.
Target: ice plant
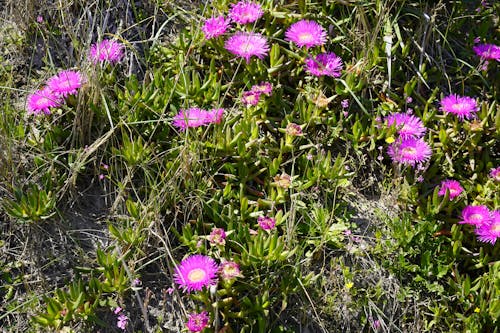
[
  {"x": 214, "y": 116},
  {"x": 245, "y": 12},
  {"x": 42, "y": 100},
  {"x": 406, "y": 125},
  {"x": 489, "y": 232},
  {"x": 293, "y": 129},
  {"x": 195, "y": 272},
  {"x": 65, "y": 83},
  {"x": 410, "y": 151},
  {"x": 217, "y": 237},
  {"x": 452, "y": 186},
  {"x": 487, "y": 51},
  {"x": 215, "y": 26},
  {"x": 306, "y": 33},
  {"x": 247, "y": 45},
  {"x": 229, "y": 270},
  {"x": 495, "y": 174},
  {"x": 266, "y": 223},
  {"x": 106, "y": 51},
  {"x": 462, "y": 107},
  {"x": 197, "y": 321},
  {"x": 263, "y": 88},
  {"x": 250, "y": 98},
  {"x": 328, "y": 64},
  {"x": 475, "y": 215}
]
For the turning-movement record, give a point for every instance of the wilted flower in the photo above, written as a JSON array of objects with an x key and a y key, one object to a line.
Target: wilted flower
[
  {"x": 283, "y": 180},
  {"x": 410, "y": 151},
  {"x": 215, "y": 26},
  {"x": 245, "y": 12},
  {"x": 462, "y": 107},
  {"x": 107, "y": 50},
  {"x": 487, "y": 51},
  {"x": 306, "y": 33},
  {"x": 195, "y": 272},
  {"x": 266, "y": 223},
  {"x": 489, "y": 232},
  {"x": 217, "y": 237},
  {"x": 246, "y": 45},
  {"x": 65, "y": 83},
  {"x": 293, "y": 129},
  {"x": 197, "y": 321},
  {"x": 453, "y": 188},
  {"x": 42, "y": 100},
  {"x": 327, "y": 64},
  {"x": 475, "y": 215},
  {"x": 229, "y": 270},
  {"x": 495, "y": 174},
  {"x": 407, "y": 125}
]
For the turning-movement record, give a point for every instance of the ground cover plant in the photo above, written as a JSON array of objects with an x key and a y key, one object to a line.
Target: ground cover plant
[{"x": 250, "y": 166}]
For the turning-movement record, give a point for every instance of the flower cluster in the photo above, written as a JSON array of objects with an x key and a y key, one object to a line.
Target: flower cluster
[
  {"x": 58, "y": 87},
  {"x": 486, "y": 223},
  {"x": 195, "y": 117},
  {"x": 122, "y": 319},
  {"x": 252, "y": 97}
]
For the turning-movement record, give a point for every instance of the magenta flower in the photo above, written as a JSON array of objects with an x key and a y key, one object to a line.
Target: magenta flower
[
  {"x": 475, "y": 215},
  {"x": 245, "y": 12},
  {"x": 195, "y": 272},
  {"x": 197, "y": 321},
  {"x": 106, "y": 51},
  {"x": 453, "y": 188},
  {"x": 215, "y": 116},
  {"x": 247, "y": 45},
  {"x": 192, "y": 117},
  {"x": 407, "y": 125},
  {"x": 490, "y": 232},
  {"x": 122, "y": 321},
  {"x": 263, "y": 88},
  {"x": 215, "y": 26},
  {"x": 306, "y": 33},
  {"x": 462, "y": 107},
  {"x": 250, "y": 98},
  {"x": 42, "y": 100},
  {"x": 266, "y": 223},
  {"x": 495, "y": 174},
  {"x": 410, "y": 151},
  {"x": 65, "y": 83},
  {"x": 229, "y": 270},
  {"x": 324, "y": 64},
  {"x": 487, "y": 51},
  {"x": 217, "y": 237}
]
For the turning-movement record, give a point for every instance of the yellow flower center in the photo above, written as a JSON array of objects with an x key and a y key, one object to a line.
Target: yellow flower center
[
  {"x": 197, "y": 275},
  {"x": 496, "y": 227}
]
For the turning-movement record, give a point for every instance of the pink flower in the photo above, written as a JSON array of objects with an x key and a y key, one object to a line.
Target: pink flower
[
  {"x": 475, "y": 215},
  {"x": 462, "y": 107},
  {"x": 263, "y": 88},
  {"x": 195, "y": 117},
  {"x": 197, "y": 321},
  {"x": 410, "y": 151},
  {"x": 324, "y": 64},
  {"x": 490, "y": 232},
  {"x": 122, "y": 322},
  {"x": 214, "y": 116},
  {"x": 117, "y": 310},
  {"x": 487, "y": 51},
  {"x": 246, "y": 45},
  {"x": 65, "y": 83},
  {"x": 407, "y": 125},
  {"x": 217, "y": 237},
  {"x": 306, "y": 33},
  {"x": 266, "y": 223},
  {"x": 215, "y": 26},
  {"x": 453, "y": 188},
  {"x": 344, "y": 103},
  {"x": 229, "y": 270},
  {"x": 42, "y": 100},
  {"x": 250, "y": 98},
  {"x": 107, "y": 50},
  {"x": 245, "y": 12},
  {"x": 495, "y": 174},
  {"x": 195, "y": 272}
]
